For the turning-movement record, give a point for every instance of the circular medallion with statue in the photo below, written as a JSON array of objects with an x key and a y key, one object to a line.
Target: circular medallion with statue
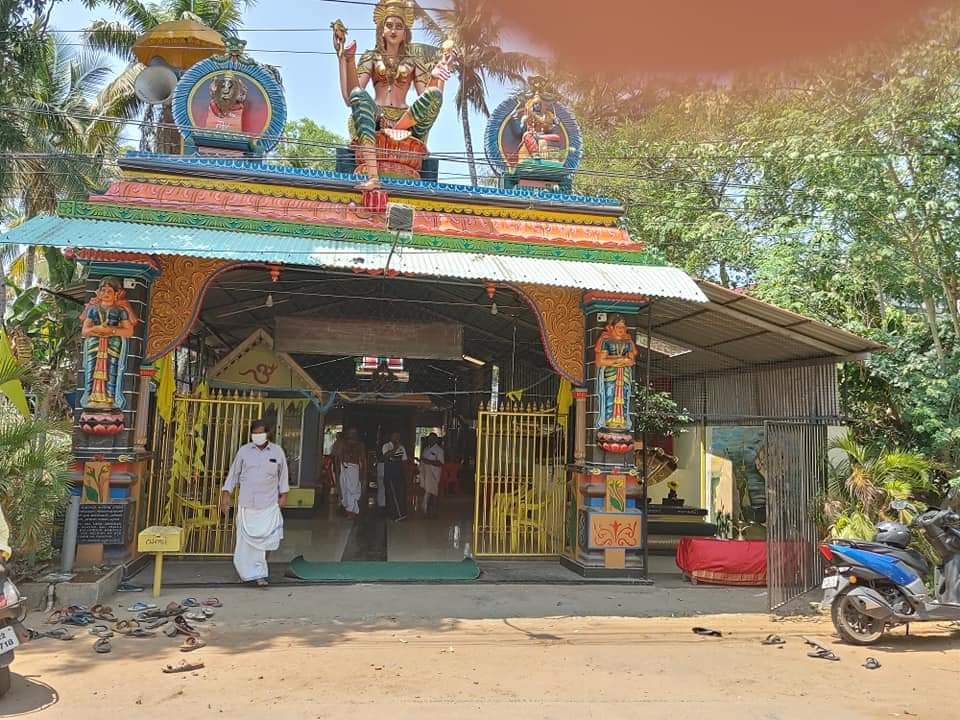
[
  {"x": 231, "y": 95},
  {"x": 533, "y": 140}
]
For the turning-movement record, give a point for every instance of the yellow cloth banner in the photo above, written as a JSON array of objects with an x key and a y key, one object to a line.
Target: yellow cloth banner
[
  {"x": 166, "y": 387},
  {"x": 12, "y": 389},
  {"x": 564, "y": 401}
]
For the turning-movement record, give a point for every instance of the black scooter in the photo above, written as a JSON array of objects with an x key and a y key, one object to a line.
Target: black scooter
[{"x": 879, "y": 585}]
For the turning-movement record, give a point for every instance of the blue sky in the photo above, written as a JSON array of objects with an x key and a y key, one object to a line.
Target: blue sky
[{"x": 311, "y": 81}]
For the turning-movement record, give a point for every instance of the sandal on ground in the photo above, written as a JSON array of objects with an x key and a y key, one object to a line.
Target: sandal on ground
[
  {"x": 823, "y": 654},
  {"x": 55, "y": 634},
  {"x": 872, "y": 663},
  {"x": 102, "y": 612},
  {"x": 141, "y": 606},
  {"x": 171, "y": 631},
  {"x": 180, "y": 622},
  {"x": 140, "y": 633},
  {"x": 192, "y": 642},
  {"x": 773, "y": 640},
  {"x": 79, "y": 619},
  {"x": 130, "y": 587},
  {"x": 101, "y": 631},
  {"x": 102, "y": 646},
  {"x": 183, "y": 666},
  {"x": 56, "y": 617},
  {"x": 213, "y": 602},
  {"x": 707, "y": 632},
  {"x": 190, "y": 602},
  {"x": 196, "y": 616},
  {"x": 207, "y": 613},
  {"x": 261, "y": 583},
  {"x": 125, "y": 626},
  {"x": 159, "y": 623}
]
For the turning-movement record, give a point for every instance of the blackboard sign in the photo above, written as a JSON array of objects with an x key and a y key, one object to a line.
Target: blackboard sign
[{"x": 99, "y": 523}]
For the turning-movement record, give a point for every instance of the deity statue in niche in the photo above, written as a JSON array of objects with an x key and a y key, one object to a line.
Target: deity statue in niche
[
  {"x": 615, "y": 356},
  {"x": 108, "y": 322},
  {"x": 385, "y": 121},
  {"x": 228, "y": 97},
  {"x": 540, "y": 139}
]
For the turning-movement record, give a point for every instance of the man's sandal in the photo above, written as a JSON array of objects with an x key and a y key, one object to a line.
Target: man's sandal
[
  {"x": 102, "y": 646},
  {"x": 192, "y": 642},
  {"x": 183, "y": 666}
]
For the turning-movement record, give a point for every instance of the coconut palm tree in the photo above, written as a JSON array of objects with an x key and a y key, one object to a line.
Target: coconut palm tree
[
  {"x": 475, "y": 31},
  {"x": 118, "y": 38}
]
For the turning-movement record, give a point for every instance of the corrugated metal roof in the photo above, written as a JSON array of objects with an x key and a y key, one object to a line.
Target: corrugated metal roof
[{"x": 254, "y": 247}]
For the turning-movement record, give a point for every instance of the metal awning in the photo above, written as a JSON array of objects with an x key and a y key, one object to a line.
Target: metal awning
[{"x": 665, "y": 282}]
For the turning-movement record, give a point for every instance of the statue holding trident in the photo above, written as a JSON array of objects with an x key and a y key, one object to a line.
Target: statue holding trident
[{"x": 393, "y": 69}]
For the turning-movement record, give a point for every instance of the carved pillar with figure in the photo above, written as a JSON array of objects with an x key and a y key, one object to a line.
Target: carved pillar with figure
[{"x": 606, "y": 539}]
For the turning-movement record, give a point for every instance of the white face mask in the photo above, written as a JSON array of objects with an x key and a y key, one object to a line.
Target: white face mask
[{"x": 259, "y": 438}]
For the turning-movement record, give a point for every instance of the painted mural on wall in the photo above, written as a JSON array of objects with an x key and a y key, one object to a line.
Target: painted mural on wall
[
  {"x": 108, "y": 323},
  {"x": 615, "y": 356},
  {"x": 738, "y": 452}
]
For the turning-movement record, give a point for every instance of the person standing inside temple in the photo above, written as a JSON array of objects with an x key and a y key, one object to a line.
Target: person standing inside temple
[
  {"x": 431, "y": 462},
  {"x": 260, "y": 471},
  {"x": 336, "y": 452},
  {"x": 394, "y": 456},
  {"x": 353, "y": 469}
]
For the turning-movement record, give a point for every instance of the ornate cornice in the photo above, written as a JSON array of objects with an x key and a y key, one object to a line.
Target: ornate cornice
[{"x": 122, "y": 213}]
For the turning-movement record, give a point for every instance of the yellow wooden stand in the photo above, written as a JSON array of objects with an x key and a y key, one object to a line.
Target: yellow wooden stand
[{"x": 159, "y": 540}]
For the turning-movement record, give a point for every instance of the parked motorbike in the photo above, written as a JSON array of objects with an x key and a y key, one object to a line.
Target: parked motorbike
[
  {"x": 13, "y": 612},
  {"x": 879, "y": 585}
]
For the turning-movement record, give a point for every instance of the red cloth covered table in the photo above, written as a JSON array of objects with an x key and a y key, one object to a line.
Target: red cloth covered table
[{"x": 723, "y": 562}]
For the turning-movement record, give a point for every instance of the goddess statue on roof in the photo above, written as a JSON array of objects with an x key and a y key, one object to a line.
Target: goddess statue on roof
[{"x": 389, "y": 136}]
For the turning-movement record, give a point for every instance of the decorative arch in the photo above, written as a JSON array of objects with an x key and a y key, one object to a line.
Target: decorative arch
[
  {"x": 559, "y": 314},
  {"x": 176, "y": 297}
]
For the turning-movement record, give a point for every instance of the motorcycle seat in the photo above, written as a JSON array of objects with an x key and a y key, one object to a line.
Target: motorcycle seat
[{"x": 914, "y": 560}]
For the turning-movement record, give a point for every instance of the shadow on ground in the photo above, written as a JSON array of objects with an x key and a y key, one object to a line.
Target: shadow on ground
[{"x": 27, "y": 695}]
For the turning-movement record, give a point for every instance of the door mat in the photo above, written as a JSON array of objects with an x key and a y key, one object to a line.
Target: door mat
[{"x": 351, "y": 572}]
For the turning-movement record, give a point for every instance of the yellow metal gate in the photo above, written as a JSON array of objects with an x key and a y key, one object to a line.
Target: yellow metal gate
[
  {"x": 521, "y": 484},
  {"x": 192, "y": 456}
]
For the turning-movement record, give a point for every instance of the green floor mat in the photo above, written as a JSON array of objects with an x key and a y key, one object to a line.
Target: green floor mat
[{"x": 467, "y": 569}]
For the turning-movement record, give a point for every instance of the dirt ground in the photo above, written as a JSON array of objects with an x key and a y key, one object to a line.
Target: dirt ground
[{"x": 391, "y": 652}]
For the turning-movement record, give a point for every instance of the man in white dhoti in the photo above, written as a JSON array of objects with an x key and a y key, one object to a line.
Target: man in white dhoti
[
  {"x": 353, "y": 470},
  {"x": 431, "y": 462},
  {"x": 260, "y": 471}
]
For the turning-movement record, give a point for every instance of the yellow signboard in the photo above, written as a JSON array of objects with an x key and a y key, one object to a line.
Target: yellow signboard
[{"x": 160, "y": 539}]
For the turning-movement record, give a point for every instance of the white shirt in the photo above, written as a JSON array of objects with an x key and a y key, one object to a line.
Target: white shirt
[
  {"x": 261, "y": 474},
  {"x": 431, "y": 472},
  {"x": 388, "y": 449}
]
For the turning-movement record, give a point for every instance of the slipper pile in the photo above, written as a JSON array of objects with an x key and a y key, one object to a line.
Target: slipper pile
[{"x": 175, "y": 620}]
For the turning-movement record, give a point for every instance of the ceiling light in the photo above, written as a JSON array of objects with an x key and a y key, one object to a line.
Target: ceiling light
[{"x": 474, "y": 361}]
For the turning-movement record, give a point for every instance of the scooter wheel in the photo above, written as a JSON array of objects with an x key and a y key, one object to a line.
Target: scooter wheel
[
  {"x": 852, "y": 625},
  {"x": 4, "y": 680}
]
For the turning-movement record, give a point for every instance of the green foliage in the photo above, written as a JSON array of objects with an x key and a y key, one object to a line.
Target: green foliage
[
  {"x": 831, "y": 190},
  {"x": 34, "y": 463},
  {"x": 657, "y": 413},
  {"x": 308, "y": 145}
]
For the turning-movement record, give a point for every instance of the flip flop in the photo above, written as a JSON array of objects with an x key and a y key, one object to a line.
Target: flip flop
[
  {"x": 213, "y": 602},
  {"x": 183, "y": 666},
  {"x": 140, "y": 633},
  {"x": 55, "y": 634},
  {"x": 80, "y": 619},
  {"x": 141, "y": 606},
  {"x": 102, "y": 612},
  {"x": 823, "y": 654},
  {"x": 102, "y": 646},
  {"x": 171, "y": 631},
  {"x": 159, "y": 623},
  {"x": 707, "y": 632},
  {"x": 125, "y": 626},
  {"x": 872, "y": 663},
  {"x": 56, "y": 617},
  {"x": 183, "y": 626},
  {"x": 130, "y": 588},
  {"x": 101, "y": 631},
  {"x": 192, "y": 643},
  {"x": 190, "y": 602},
  {"x": 196, "y": 616},
  {"x": 207, "y": 613},
  {"x": 773, "y": 640}
]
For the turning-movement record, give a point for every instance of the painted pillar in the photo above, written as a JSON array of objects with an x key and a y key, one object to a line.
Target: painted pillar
[
  {"x": 607, "y": 513},
  {"x": 109, "y": 460}
]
